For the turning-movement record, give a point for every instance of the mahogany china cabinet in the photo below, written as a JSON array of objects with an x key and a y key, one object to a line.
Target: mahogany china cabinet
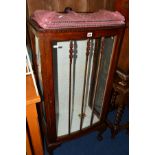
[{"x": 75, "y": 57}]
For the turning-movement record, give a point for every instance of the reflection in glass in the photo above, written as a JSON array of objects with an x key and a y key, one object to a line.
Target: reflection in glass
[
  {"x": 105, "y": 62},
  {"x": 40, "y": 86}
]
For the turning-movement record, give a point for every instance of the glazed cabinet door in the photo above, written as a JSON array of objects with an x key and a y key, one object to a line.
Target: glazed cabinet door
[{"x": 81, "y": 70}]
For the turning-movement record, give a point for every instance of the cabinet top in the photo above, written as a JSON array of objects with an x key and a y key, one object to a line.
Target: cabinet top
[{"x": 51, "y": 20}]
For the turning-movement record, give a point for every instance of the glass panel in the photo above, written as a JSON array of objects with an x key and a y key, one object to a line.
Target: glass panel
[
  {"x": 105, "y": 62},
  {"x": 38, "y": 63},
  {"x": 78, "y": 67},
  {"x": 38, "y": 60},
  {"x": 61, "y": 85}
]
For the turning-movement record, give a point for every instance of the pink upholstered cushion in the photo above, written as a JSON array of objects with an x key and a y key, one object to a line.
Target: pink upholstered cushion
[{"x": 54, "y": 20}]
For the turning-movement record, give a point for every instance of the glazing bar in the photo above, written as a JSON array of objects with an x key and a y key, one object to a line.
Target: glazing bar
[
  {"x": 70, "y": 82},
  {"x": 84, "y": 85}
]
